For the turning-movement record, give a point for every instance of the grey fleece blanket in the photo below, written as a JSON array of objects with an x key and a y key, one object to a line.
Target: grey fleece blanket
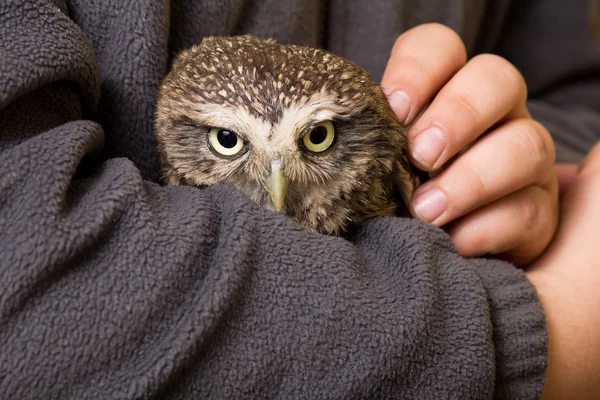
[{"x": 115, "y": 287}]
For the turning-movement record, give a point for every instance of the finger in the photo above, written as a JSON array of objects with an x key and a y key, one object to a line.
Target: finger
[
  {"x": 487, "y": 90},
  {"x": 422, "y": 61},
  {"x": 566, "y": 174},
  {"x": 518, "y": 227},
  {"x": 517, "y": 154}
]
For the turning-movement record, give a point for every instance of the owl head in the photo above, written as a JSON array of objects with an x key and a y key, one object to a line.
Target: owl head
[{"x": 298, "y": 130}]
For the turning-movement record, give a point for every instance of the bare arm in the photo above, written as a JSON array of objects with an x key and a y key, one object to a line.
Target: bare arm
[{"x": 567, "y": 279}]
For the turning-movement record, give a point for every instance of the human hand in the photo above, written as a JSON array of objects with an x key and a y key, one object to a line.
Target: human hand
[
  {"x": 567, "y": 278},
  {"x": 499, "y": 196}
]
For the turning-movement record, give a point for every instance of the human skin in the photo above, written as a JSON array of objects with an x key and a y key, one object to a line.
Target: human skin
[
  {"x": 500, "y": 194},
  {"x": 511, "y": 211},
  {"x": 567, "y": 278}
]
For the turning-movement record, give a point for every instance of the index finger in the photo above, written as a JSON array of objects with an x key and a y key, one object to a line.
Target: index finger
[{"x": 422, "y": 61}]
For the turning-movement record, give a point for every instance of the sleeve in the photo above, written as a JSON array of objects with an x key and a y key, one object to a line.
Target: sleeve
[
  {"x": 114, "y": 287},
  {"x": 556, "y": 46}
]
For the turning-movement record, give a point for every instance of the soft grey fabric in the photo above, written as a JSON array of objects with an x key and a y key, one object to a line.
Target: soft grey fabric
[
  {"x": 556, "y": 46},
  {"x": 114, "y": 287}
]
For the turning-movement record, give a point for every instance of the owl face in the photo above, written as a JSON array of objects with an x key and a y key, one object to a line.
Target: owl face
[{"x": 298, "y": 130}]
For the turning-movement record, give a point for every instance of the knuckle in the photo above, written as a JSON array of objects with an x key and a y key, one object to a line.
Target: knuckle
[
  {"x": 538, "y": 213},
  {"x": 503, "y": 70},
  {"x": 493, "y": 245},
  {"x": 435, "y": 28},
  {"x": 498, "y": 63},
  {"x": 478, "y": 187},
  {"x": 434, "y": 33},
  {"x": 482, "y": 243},
  {"x": 527, "y": 211},
  {"x": 469, "y": 110},
  {"x": 450, "y": 38},
  {"x": 398, "y": 44},
  {"x": 470, "y": 239},
  {"x": 486, "y": 241},
  {"x": 414, "y": 71},
  {"x": 537, "y": 143}
]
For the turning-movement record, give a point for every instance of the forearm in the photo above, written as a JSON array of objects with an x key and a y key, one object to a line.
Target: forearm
[
  {"x": 116, "y": 287},
  {"x": 573, "y": 349},
  {"x": 567, "y": 281}
]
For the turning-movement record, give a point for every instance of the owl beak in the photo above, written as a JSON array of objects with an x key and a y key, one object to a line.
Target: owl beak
[{"x": 277, "y": 184}]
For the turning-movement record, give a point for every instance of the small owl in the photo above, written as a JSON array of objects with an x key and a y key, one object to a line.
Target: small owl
[{"x": 298, "y": 130}]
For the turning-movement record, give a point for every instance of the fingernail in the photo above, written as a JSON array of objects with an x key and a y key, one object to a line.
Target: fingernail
[
  {"x": 401, "y": 105},
  {"x": 428, "y": 146},
  {"x": 430, "y": 205}
]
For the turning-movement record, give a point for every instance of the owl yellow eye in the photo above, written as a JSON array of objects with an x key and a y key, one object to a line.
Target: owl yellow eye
[
  {"x": 320, "y": 137},
  {"x": 225, "y": 142}
]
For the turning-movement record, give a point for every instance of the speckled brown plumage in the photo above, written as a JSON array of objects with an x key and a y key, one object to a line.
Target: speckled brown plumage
[{"x": 271, "y": 95}]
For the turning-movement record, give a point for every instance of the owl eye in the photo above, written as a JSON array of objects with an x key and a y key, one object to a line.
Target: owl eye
[
  {"x": 319, "y": 138},
  {"x": 225, "y": 142}
]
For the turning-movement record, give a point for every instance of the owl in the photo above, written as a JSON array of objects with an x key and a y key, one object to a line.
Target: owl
[{"x": 298, "y": 130}]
